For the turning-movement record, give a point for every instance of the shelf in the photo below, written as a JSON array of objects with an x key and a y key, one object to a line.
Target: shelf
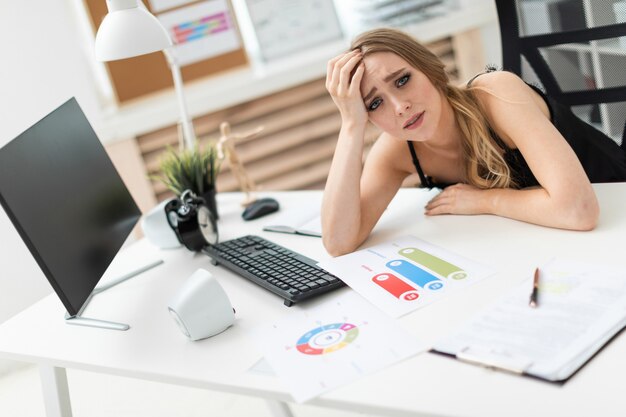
[
  {"x": 608, "y": 47},
  {"x": 571, "y": 47},
  {"x": 612, "y": 47},
  {"x": 579, "y": 66}
]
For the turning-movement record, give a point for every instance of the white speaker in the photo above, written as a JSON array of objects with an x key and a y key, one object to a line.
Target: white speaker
[
  {"x": 201, "y": 307},
  {"x": 156, "y": 228}
]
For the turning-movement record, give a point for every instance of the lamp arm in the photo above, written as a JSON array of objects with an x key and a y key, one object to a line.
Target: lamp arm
[{"x": 189, "y": 136}]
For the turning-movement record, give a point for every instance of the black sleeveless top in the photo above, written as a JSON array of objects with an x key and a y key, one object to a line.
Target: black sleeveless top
[{"x": 602, "y": 159}]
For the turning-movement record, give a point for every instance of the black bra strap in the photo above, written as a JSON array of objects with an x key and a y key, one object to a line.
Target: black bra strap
[
  {"x": 423, "y": 178},
  {"x": 488, "y": 69}
]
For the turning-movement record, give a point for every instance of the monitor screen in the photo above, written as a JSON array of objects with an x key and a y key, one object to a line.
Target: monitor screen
[{"x": 67, "y": 201}]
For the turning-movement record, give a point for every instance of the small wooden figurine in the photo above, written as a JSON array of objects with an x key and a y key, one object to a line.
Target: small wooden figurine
[{"x": 226, "y": 149}]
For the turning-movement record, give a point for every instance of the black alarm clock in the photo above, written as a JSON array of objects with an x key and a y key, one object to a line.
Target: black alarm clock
[{"x": 192, "y": 221}]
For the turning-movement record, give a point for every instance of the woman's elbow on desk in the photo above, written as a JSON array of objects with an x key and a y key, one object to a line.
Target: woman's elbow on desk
[
  {"x": 340, "y": 238},
  {"x": 569, "y": 210},
  {"x": 577, "y": 212},
  {"x": 337, "y": 247},
  {"x": 341, "y": 243},
  {"x": 584, "y": 214},
  {"x": 577, "y": 207}
]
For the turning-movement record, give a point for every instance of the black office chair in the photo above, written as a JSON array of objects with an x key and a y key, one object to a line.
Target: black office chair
[{"x": 572, "y": 50}]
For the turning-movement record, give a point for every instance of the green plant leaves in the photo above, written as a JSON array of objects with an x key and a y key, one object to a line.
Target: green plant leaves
[{"x": 195, "y": 169}]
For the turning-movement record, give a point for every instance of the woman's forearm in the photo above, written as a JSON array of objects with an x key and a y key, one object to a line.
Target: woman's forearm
[
  {"x": 341, "y": 204},
  {"x": 573, "y": 211}
]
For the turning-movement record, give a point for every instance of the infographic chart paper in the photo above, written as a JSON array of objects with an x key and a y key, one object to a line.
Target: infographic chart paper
[
  {"x": 201, "y": 31},
  {"x": 405, "y": 274},
  {"x": 330, "y": 345}
]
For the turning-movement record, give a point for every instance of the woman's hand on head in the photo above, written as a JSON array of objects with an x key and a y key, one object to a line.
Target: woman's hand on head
[
  {"x": 343, "y": 81},
  {"x": 458, "y": 199}
]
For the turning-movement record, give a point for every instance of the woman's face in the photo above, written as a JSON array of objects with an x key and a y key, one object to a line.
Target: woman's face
[{"x": 400, "y": 99}]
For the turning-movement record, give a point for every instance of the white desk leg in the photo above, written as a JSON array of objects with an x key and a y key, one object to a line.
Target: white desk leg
[
  {"x": 56, "y": 394},
  {"x": 278, "y": 408}
]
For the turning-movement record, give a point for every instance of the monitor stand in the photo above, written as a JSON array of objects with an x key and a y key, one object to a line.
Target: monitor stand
[{"x": 78, "y": 320}]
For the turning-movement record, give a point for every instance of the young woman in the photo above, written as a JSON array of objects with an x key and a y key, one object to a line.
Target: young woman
[{"x": 495, "y": 146}]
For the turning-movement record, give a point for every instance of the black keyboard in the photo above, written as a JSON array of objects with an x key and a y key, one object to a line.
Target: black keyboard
[{"x": 284, "y": 272}]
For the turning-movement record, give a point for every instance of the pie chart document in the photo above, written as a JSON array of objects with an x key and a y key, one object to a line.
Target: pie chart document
[{"x": 315, "y": 350}]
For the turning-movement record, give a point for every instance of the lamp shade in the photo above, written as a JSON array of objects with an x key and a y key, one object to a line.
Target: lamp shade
[{"x": 129, "y": 30}]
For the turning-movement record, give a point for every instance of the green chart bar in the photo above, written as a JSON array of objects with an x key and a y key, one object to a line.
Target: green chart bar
[{"x": 435, "y": 264}]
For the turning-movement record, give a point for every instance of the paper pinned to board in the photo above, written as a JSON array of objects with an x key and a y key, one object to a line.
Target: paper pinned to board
[{"x": 201, "y": 31}]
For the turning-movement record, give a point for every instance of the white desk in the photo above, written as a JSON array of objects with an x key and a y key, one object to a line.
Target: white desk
[{"x": 427, "y": 384}]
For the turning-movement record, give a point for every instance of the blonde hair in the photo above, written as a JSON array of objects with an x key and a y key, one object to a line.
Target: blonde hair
[{"x": 484, "y": 165}]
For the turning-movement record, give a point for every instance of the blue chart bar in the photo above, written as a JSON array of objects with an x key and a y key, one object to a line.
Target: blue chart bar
[
  {"x": 415, "y": 274},
  {"x": 305, "y": 337}
]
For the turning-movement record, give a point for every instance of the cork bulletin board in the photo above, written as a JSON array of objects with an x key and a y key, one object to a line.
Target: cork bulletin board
[{"x": 135, "y": 77}]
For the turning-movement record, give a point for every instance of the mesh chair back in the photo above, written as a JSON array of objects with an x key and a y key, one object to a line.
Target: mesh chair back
[{"x": 575, "y": 50}]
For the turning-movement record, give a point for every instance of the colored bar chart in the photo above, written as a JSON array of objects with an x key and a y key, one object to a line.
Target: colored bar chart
[
  {"x": 205, "y": 26},
  {"x": 396, "y": 287},
  {"x": 406, "y": 273},
  {"x": 434, "y": 263},
  {"x": 417, "y": 275}
]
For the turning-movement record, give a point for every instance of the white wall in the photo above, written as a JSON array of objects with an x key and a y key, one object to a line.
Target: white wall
[
  {"x": 42, "y": 64},
  {"x": 492, "y": 44}
]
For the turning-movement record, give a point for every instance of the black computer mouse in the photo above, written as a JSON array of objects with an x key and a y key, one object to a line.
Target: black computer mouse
[{"x": 260, "y": 208}]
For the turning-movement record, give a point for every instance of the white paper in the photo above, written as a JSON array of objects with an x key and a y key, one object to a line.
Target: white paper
[
  {"x": 201, "y": 31},
  {"x": 160, "y": 5},
  {"x": 580, "y": 306},
  {"x": 330, "y": 345},
  {"x": 304, "y": 219},
  {"x": 405, "y": 274},
  {"x": 284, "y": 26}
]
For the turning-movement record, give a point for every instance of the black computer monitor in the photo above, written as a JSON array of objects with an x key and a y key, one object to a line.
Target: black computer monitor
[{"x": 67, "y": 201}]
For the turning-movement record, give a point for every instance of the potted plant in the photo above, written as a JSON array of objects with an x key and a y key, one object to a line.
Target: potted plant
[{"x": 192, "y": 169}]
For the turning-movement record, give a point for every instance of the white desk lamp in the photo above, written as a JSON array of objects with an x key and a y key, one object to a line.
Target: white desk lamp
[{"x": 130, "y": 30}]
